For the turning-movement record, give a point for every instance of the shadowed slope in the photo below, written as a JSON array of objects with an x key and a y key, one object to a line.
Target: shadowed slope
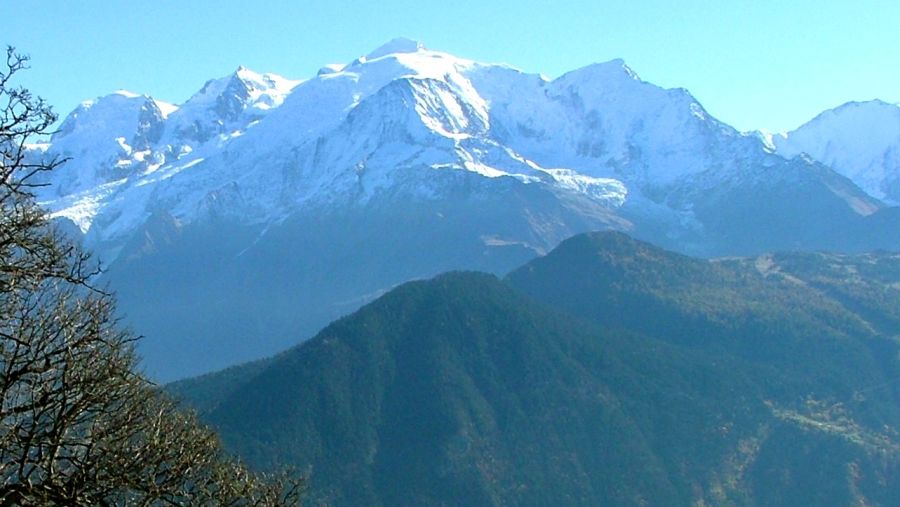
[{"x": 723, "y": 382}]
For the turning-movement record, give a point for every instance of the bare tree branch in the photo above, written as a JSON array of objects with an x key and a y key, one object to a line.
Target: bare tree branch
[{"x": 78, "y": 425}]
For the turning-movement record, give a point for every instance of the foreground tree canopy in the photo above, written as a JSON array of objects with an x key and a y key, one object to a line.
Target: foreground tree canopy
[{"x": 78, "y": 424}]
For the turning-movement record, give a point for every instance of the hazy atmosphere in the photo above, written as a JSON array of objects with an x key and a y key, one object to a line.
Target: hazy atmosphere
[{"x": 450, "y": 254}]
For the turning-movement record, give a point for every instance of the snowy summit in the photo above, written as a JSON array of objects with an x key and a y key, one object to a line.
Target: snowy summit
[{"x": 258, "y": 147}]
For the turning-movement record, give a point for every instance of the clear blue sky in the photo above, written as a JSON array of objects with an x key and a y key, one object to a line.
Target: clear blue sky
[{"x": 754, "y": 64}]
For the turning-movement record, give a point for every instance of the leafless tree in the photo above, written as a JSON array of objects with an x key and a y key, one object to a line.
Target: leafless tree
[{"x": 78, "y": 424}]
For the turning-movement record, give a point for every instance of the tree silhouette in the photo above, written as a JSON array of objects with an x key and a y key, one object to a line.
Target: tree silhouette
[{"x": 78, "y": 424}]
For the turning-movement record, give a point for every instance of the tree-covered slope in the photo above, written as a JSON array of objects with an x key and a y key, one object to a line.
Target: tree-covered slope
[
  {"x": 262, "y": 208},
  {"x": 809, "y": 315},
  {"x": 607, "y": 373},
  {"x": 459, "y": 391},
  {"x": 817, "y": 331}
]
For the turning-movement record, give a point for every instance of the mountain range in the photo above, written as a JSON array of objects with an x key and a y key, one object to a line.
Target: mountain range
[
  {"x": 250, "y": 216},
  {"x": 608, "y": 372},
  {"x": 860, "y": 140}
]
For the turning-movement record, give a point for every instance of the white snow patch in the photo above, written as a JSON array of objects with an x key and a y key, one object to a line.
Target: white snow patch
[
  {"x": 609, "y": 190},
  {"x": 165, "y": 108},
  {"x": 860, "y": 140},
  {"x": 395, "y": 46}
]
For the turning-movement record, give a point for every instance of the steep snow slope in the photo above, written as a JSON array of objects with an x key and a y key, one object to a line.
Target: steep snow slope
[
  {"x": 604, "y": 121},
  {"x": 259, "y": 147},
  {"x": 121, "y": 146},
  {"x": 860, "y": 140},
  {"x": 227, "y": 105},
  {"x": 262, "y": 208},
  {"x": 105, "y": 138}
]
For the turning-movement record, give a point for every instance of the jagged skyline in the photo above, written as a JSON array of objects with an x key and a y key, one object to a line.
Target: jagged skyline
[{"x": 759, "y": 65}]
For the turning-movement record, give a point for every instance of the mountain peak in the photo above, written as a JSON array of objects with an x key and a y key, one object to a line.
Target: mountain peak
[
  {"x": 398, "y": 45},
  {"x": 239, "y": 90},
  {"x": 611, "y": 244},
  {"x": 116, "y": 112},
  {"x": 612, "y": 68},
  {"x": 126, "y": 94},
  {"x": 874, "y": 104},
  {"x": 247, "y": 76},
  {"x": 860, "y": 113},
  {"x": 833, "y": 138}
]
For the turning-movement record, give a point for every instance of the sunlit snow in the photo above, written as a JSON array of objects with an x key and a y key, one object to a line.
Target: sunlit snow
[{"x": 261, "y": 145}]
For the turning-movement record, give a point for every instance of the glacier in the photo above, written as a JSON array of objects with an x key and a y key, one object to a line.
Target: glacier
[{"x": 263, "y": 207}]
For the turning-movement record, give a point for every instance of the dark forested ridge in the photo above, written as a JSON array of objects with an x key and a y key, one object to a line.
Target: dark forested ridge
[{"x": 608, "y": 372}]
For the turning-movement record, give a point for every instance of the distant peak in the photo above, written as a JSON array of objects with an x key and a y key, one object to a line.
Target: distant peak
[
  {"x": 872, "y": 105},
  {"x": 126, "y": 94},
  {"x": 613, "y": 69},
  {"x": 398, "y": 45},
  {"x": 331, "y": 68},
  {"x": 617, "y": 65},
  {"x": 263, "y": 81},
  {"x": 245, "y": 74},
  {"x": 862, "y": 113},
  {"x": 116, "y": 97}
]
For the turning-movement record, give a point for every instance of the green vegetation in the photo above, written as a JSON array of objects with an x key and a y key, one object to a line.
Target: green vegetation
[
  {"x": 79, "y": 426},
  {"x": 609, "y": 372}
]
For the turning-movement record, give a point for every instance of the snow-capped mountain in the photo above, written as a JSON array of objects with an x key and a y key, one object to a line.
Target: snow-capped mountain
[
  {"x": 262, "y": 207},
  {"x": 860, "y": 140},
  {"x": 259, "y": 147},
  {"x": 120, "y": 147},
  {"x": 343, "y": 135}
]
